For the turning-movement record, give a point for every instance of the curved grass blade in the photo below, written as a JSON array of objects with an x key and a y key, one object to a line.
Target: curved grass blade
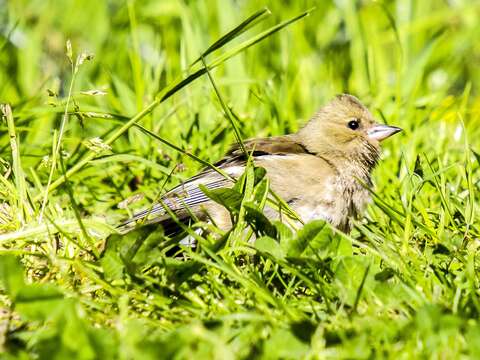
[
  {"x": 169, "y": 91},
  {"x": 20, "y": 183},
  {"x": 189, "y": 154},
  {"x": 246, "y": 44},
  {"x": 226, "y": 110},
  {"x": 250, "y": 22},
  {"x": 393, "y": 25},
  {"x": 9, "y": 35}
]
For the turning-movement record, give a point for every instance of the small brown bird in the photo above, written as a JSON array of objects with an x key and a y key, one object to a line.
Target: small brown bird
[{"x": 320, "y": 171}]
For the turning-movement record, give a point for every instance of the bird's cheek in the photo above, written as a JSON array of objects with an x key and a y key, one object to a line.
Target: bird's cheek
[
  {"x": 372, "y": 142},
  {"x": 345, "y": 138}
]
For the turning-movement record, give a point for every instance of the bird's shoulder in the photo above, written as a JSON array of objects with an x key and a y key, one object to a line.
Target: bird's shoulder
[{"x": 285, "y": 144}]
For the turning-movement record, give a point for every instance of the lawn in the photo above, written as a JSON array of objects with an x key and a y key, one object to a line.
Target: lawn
[{"x": 108, "y": 104}]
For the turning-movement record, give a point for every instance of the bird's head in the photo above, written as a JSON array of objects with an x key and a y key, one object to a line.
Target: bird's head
[{"x": 345, "y": 129}]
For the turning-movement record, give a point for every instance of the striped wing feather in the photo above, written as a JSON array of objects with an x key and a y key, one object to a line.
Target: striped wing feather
[{"x": 183, "y": 199}]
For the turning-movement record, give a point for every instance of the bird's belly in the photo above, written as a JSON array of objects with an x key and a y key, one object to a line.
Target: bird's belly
[
  {"x": 331, "y": 205},
  {"x": 314, "y": 190},
  {"x": 309, "y": 212}
]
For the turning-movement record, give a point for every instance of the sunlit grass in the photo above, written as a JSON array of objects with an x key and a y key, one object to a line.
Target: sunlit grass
[{"x": 144, "y": 114}]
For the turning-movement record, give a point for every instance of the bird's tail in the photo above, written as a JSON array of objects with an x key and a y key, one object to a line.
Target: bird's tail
[{"x": 155, "y": 215}]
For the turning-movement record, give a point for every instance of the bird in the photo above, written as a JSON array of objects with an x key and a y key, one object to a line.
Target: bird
[{"x": 322, "y": 171}]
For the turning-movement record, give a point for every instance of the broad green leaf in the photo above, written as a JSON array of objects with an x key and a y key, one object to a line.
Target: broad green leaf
[
  {"x": 284, "y": 345},
  {"x": 269, "y": 245},
  {"x": 259, "y": 222},
  {"x": 295, "y": 247},
  {"x": 259, "y": 173},
  {"x": 39, "y": 301},
  {"x": 11, "y": 275},
  {"x": 229, "y": 198},
  {"x": 349, "y": 274},
  {"x": 113, "y": 266},
  {"x": 285, "y": 233},
  {"x": 385, "y": 274}
]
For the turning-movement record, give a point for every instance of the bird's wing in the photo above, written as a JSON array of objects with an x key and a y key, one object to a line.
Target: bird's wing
[
  {"x": 182, "y": 199},
  {"x": 188, "y": 195},
  {"x": 278, "y": 145}
]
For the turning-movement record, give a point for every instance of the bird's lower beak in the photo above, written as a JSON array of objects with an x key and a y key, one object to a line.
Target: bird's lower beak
[{"x": 381, "y": 132}]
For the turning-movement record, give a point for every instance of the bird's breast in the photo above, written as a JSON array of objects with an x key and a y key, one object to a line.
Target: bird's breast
[{"x": 314, "y": 190}]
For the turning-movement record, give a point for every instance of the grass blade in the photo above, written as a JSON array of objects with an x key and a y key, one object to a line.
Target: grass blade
[
  {"x": 226, "y": 111},
  {"x": 250, "y": 22},
  {"x": 20, "y": 185},
  {"x": 58, "y": 144}
]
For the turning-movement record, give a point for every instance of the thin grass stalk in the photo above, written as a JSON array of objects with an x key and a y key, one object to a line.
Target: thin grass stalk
[
  {"x": 20, "y": 185},
  {"x": 226, "y": 110},
  {"x": 58, "y": 145}
]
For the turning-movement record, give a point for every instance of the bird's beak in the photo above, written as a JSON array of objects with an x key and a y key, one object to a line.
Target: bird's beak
[{"x": 381, "y": 132}]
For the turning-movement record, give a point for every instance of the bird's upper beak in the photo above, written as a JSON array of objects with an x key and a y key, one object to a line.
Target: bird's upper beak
[{"x": 381, "y": 132}]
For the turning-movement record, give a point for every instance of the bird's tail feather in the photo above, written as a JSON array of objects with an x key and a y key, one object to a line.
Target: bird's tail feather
[{"x": 171, "y": 227}]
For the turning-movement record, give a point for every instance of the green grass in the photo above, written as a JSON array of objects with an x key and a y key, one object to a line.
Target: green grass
[{"x": 129, "y": 110}]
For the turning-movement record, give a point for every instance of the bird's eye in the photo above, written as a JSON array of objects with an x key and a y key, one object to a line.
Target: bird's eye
[{"x": 353, "y": 124}]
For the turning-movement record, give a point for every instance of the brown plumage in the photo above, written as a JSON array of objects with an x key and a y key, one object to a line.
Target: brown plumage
[{"x": 320, "y": 171}]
